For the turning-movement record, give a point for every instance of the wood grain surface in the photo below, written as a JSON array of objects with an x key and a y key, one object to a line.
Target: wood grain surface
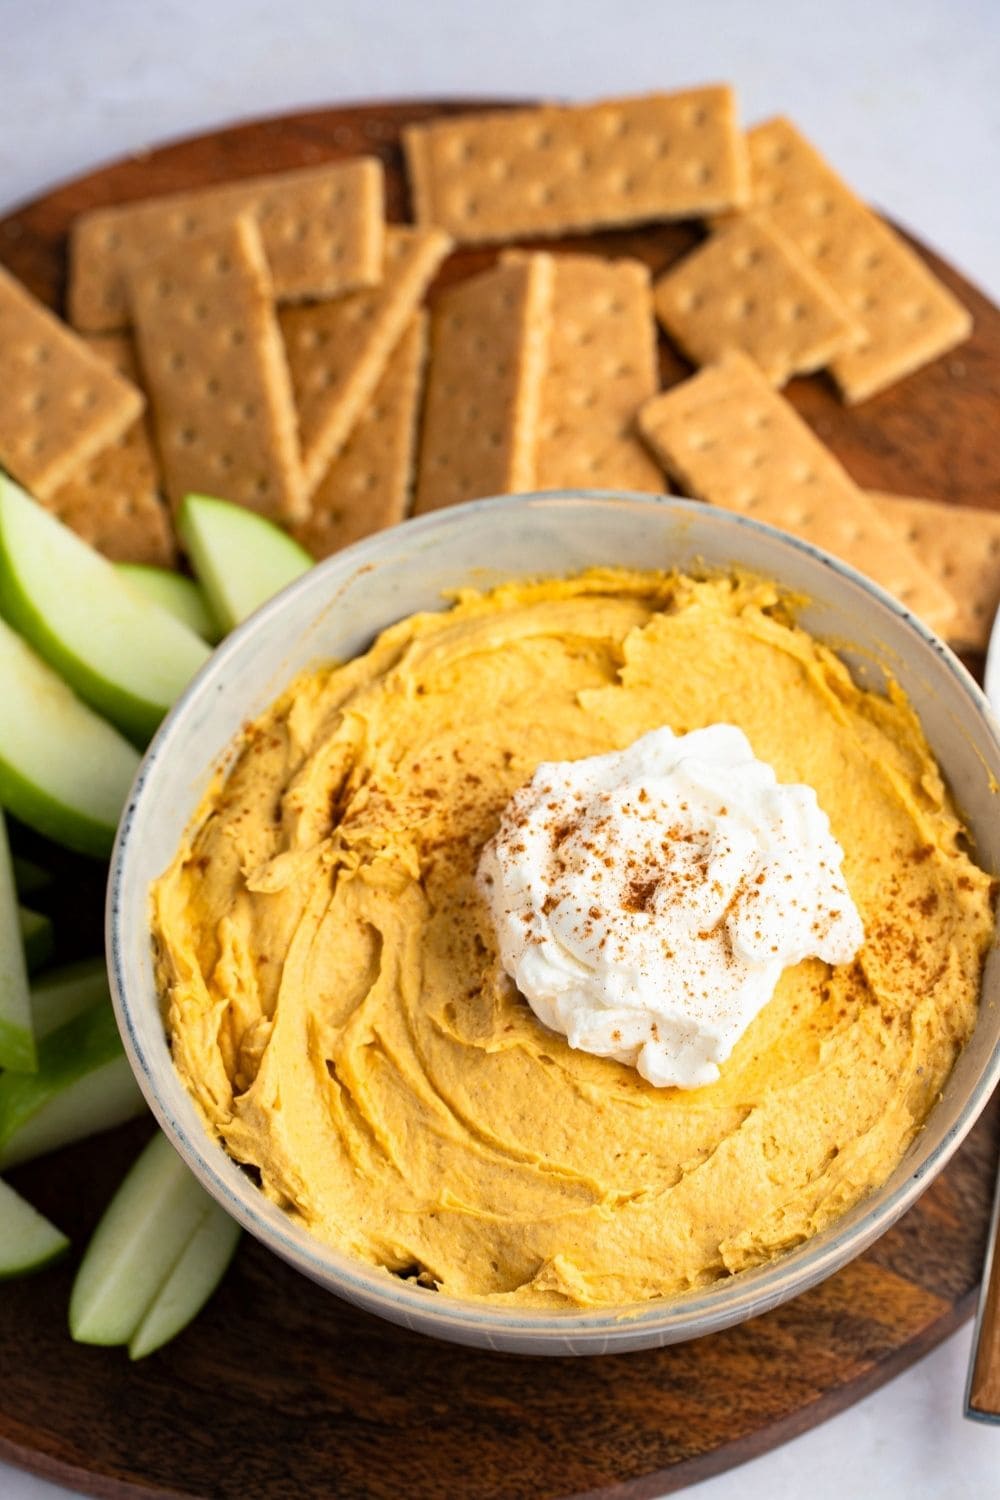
[
  {"x": 281, "y": 1390},
  {"x": 984, "y": 1385}
]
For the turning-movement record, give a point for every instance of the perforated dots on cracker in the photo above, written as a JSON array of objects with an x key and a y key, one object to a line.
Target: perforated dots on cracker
[
  {"x": 60, "y": 405},
  {"x": 600, "y": 367},
  {"x": 214, "y": 365},
  {"x": 322, "y": 229},
  {"x": 732, "y": 440},
  {"x": 489, "y": 337},
  {"x": 367, "y": 487},
  {"x": 338, "y": 350},
  {"x": 114, "y": 502},
  {"x": 748, "y": 288},
  {"x": 549, "y": 171},
  {"x": 906, "y": 316},
  {"x": 960, "y": 546}
]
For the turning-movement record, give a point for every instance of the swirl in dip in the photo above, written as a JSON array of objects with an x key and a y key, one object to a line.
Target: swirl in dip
[{"x": 338, "y": 1010}]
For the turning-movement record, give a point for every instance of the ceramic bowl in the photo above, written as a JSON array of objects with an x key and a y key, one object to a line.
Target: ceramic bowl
[{"x": 334, "y": 611}]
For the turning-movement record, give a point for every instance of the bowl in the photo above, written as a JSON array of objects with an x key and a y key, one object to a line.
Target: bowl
[{"x": 333, "y": 612}]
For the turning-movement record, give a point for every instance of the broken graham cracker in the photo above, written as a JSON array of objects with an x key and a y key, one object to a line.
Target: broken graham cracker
[
  {"x": 556, "y": 170},
  {"x": 487, "y": 360},
  {"x": 338, "y": 350},
  {"x": 113, "y": 502},
  {"x": 214, "y": 365},
  {"x": 732, "y": 440},
  {"x": 60, "y": 405},
  {"x": 906, "y": 316},
  {"x": 748, "y": 288},
  {"x": 960, "y": 546},
  {"x": 599, "y": 369},
  {"x": 367, "y": 487},
  {"x": 322, "y": 229}
]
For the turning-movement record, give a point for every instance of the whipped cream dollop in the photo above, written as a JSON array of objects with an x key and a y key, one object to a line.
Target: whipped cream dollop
[{"x": 646, "y": 902}]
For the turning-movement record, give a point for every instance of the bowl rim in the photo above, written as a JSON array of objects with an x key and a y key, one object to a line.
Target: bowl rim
[{"x": 608, "y": 1329}]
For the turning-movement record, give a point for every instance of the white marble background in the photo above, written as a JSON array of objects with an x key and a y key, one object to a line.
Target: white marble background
[{"x": 903, "y": 96}]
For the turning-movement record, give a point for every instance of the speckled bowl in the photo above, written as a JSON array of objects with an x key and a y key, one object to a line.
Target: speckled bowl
[{"x": 333, "y": 612}]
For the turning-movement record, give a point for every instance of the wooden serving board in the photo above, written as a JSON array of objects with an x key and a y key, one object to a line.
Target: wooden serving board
[{"x": 281, "y": 1390}]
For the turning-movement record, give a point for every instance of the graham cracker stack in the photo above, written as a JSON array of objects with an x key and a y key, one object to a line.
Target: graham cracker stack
[
  {"x": 906, "y": 316},
  {"x": 214, "y": 365},
  {"x": 113, "y": 502},
  {"x": 599, "y": 369},
  {"x": 488, "y": 348},
  {"x": 322, "y": 229},
  {"x": 338, "y": 350},
  {"x": 556, "y": 170},
  {"x": 730, "y": 439},
  {"x": 748, "y": 288},
  {"x": 60, "y": 405},
  {"x": 367, "y": 487},
  {"x": 960, "y": 546}
]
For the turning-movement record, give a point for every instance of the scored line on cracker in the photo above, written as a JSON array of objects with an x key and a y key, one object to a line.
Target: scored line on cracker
[
  {"x": 337, "y": 350},
  {"x": 214, "y": 365},
  {"x": 600, "y": 367},
  {"x": 733, "y": 441},
  {"x": 488, "y": 347},
  {"x": 367, "y": 487},
  {"x": 322, "y": 229},
  {"x": 748, "y": 288},
  {"x": 113, "y": 502},
  {"x": 906, "y": 315},
  {"x": 60, "y": 405},
  {"x": 548, "y": 171}
]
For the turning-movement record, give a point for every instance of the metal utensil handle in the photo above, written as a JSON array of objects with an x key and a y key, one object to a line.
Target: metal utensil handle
[{"x": 982, "y": 1396}]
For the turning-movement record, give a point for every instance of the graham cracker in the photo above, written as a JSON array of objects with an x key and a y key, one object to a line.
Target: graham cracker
[
  {"x": 960, "y": 546},
  {"x": 732, "y": 440},
  {"x": 906, "y": 316},
  {"x": 338, "y": 350},
  {"x": 748, "y": 288},
  {"x": 214, "y": 365},
  {"x": 367, "y": 487},
  {"x": 113, "y": 502},
  {"x": 556, "y": 170},
  {"x": 599, "y": 369},
  {"x": 59, "y": 404},
  {"x": 488, "y": 349},
  {"x": 322, "y": 229}
]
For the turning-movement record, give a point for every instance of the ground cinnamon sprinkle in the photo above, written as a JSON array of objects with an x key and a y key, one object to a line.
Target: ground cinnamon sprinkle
[{"x": 640, "y": 895}]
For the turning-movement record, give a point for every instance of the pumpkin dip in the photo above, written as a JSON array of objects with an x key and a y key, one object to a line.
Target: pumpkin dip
[{"x": 337, "y": 1008}]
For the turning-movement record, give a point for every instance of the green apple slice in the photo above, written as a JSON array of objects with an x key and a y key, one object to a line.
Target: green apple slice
[
  {"x": 138, "y": 1243},
  {"x": 17, "y": 1036},
  {"x": 195, "y": 1276},
  {"x": 123, "y": 654},
  {"x": 63, "y": 770},
  {"x": 174, "y": 592},
  {"x": 240, "y": 558},
  {"x": 83, "y": 1084},
  {"x": 37, "y": 937},
  {"x": 97, "y": 1101},
  {"x": 30, "y": 879},
  {"x": 64, "y": 993},
  {"x": 27, "y": 1240}
]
